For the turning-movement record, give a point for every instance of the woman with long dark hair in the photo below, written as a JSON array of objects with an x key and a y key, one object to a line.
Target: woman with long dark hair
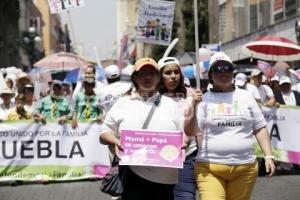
[{"x": 172, "y": 85}]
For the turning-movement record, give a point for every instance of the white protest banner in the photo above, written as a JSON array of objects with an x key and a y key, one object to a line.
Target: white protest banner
[
  {"x": 32, "y": 151},
  {"x": 57, "y": 6},
  {"x": 284, "y": 127},
  {"x": 155, "y": 22}
]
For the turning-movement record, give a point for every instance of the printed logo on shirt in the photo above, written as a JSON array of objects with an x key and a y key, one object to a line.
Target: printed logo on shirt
[
  {"x": 225, "y": 109},
  {"x": 227, "y": 115}
]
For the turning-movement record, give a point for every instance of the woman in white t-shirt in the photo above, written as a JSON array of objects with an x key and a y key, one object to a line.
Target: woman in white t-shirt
[
  {"x": 130, "y": 113},
  {"x": 172, "y": 85},
  {"x": 7, "y": 105},
  {"x": 226, "y": 166}
]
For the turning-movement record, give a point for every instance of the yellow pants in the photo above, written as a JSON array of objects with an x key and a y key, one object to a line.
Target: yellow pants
[{"x": 225, "y": 182}]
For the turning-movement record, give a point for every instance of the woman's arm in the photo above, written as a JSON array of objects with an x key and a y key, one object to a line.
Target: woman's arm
[
  {"x": 190, "y": 119},
  {"x": 109, "y": 139},
  {"x": 263, "y": 139}
]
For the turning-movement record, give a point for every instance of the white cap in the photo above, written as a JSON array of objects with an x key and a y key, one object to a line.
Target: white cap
[
  {"x": 275, "y": 78},
  {"x": 167, "y": 61},
  {"x": 128, "y": 70},
  {"x": 240, "y": 79},
  {"x": 284, "y": 79},
  {"x": 219, "y": 56},
  {"x": 264, "y": 78},
  {"x": 256, "y": 72},
  {"x": 112, "y": 71}
]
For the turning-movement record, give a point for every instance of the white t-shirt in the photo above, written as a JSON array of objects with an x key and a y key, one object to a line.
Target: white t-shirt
[
  {"x": 264, "y": 92},
  {"x": 253, "y": 90},
  {"x": 296, "y": 87},
  {"x": 228, "y": 121},
  {"x": 182, "y": 106},
  {"x": 130, "y": 112},
  {"x": 109, "y": 94},
  {"x": 5, "y": 111},
  {"x": 289, "y": 98}
]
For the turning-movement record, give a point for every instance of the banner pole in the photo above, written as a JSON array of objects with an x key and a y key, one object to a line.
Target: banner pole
[{"x": 197, "y": 44}]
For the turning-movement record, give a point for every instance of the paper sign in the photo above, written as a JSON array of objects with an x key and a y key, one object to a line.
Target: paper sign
[
  {"x": 155, "y": 21},
  {"x": 57, "y": 6},
  {"x": 152, "y": 148}
]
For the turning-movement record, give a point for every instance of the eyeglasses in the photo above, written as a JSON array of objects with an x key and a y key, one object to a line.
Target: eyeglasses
[{"x": 222, "y": 69}]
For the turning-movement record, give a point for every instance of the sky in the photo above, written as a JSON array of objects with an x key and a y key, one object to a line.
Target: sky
[{"x": 94, "y": 25}]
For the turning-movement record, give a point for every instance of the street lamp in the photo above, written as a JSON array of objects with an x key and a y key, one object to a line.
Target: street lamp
[{"x": 32, "y": 42}]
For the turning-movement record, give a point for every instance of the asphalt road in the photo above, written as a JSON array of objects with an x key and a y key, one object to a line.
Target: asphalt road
[{"x": 276, "y": 188}]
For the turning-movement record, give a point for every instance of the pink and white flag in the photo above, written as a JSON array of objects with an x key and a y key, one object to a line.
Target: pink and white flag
[{"x": 266, "y": 68}]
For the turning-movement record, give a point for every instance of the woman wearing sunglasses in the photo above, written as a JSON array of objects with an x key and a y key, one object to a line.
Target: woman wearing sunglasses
[{"x": 226, "y": 166}]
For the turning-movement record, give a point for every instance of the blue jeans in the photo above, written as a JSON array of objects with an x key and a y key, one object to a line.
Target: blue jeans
[{"x": 186, "y": 187}]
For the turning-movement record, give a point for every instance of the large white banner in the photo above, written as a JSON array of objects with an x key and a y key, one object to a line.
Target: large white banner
[
  {"x": 284, "y": 128},
  {"x": 32, "y": 151},
  {"x": 57, "y": 6},
  {"x": 155, "y": 22}
]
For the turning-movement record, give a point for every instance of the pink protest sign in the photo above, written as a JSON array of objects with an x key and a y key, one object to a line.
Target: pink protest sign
[{"x": 152, "y": 148}]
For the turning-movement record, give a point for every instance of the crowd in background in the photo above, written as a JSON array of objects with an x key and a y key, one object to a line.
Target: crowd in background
[{"x": 125, "y": 97}]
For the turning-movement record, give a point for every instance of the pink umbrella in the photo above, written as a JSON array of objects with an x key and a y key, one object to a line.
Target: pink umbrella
[
  {"x": 281, "y": 66},
  {"x": 298, "y": 73},
  {"x": 273, "y": 48},
  {"x": 61, "y": 62}
]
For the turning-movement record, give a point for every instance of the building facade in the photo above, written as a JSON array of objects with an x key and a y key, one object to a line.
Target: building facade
[
  {"x": 29, "y": 32},
  {"x": 241, "y": 21}
]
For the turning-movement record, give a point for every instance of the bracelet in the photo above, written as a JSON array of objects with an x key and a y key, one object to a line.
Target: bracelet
[{"x": 270, "y": 157}]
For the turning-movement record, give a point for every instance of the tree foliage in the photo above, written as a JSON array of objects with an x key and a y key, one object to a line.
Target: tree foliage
[{"x": 188, "y": 19}]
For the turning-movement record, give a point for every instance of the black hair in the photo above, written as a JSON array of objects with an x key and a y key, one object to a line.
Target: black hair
[
  {"x": 112, "y": 80},
  {"x": 94, "y": 69},
  {"x": 180, "y": 90}
]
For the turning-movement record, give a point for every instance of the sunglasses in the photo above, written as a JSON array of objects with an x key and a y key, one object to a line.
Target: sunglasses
[{"x": 223, "y": 69}]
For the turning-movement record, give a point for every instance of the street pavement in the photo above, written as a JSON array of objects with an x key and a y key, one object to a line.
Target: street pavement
[{"x": 285, "y": 187}]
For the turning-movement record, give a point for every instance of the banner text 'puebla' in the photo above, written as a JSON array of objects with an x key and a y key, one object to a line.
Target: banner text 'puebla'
[{"x": 31, "y": 151}]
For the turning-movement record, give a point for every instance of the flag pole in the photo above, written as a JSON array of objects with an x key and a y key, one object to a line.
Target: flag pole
[{"x": 197, "y": 44}]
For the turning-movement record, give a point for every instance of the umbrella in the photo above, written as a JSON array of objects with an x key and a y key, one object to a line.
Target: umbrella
[
  {"x": 272, "y": 48},
  {"x": 298, "y": 73},
  {"x": 61, "y": 62},
  {"x": 72, "y": 76}
]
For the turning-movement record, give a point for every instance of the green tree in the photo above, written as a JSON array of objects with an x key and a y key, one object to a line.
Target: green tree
[{"x": 188, "y": 18}]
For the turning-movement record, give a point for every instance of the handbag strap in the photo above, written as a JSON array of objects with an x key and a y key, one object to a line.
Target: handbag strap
[{"x": 155, "y": 104}]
